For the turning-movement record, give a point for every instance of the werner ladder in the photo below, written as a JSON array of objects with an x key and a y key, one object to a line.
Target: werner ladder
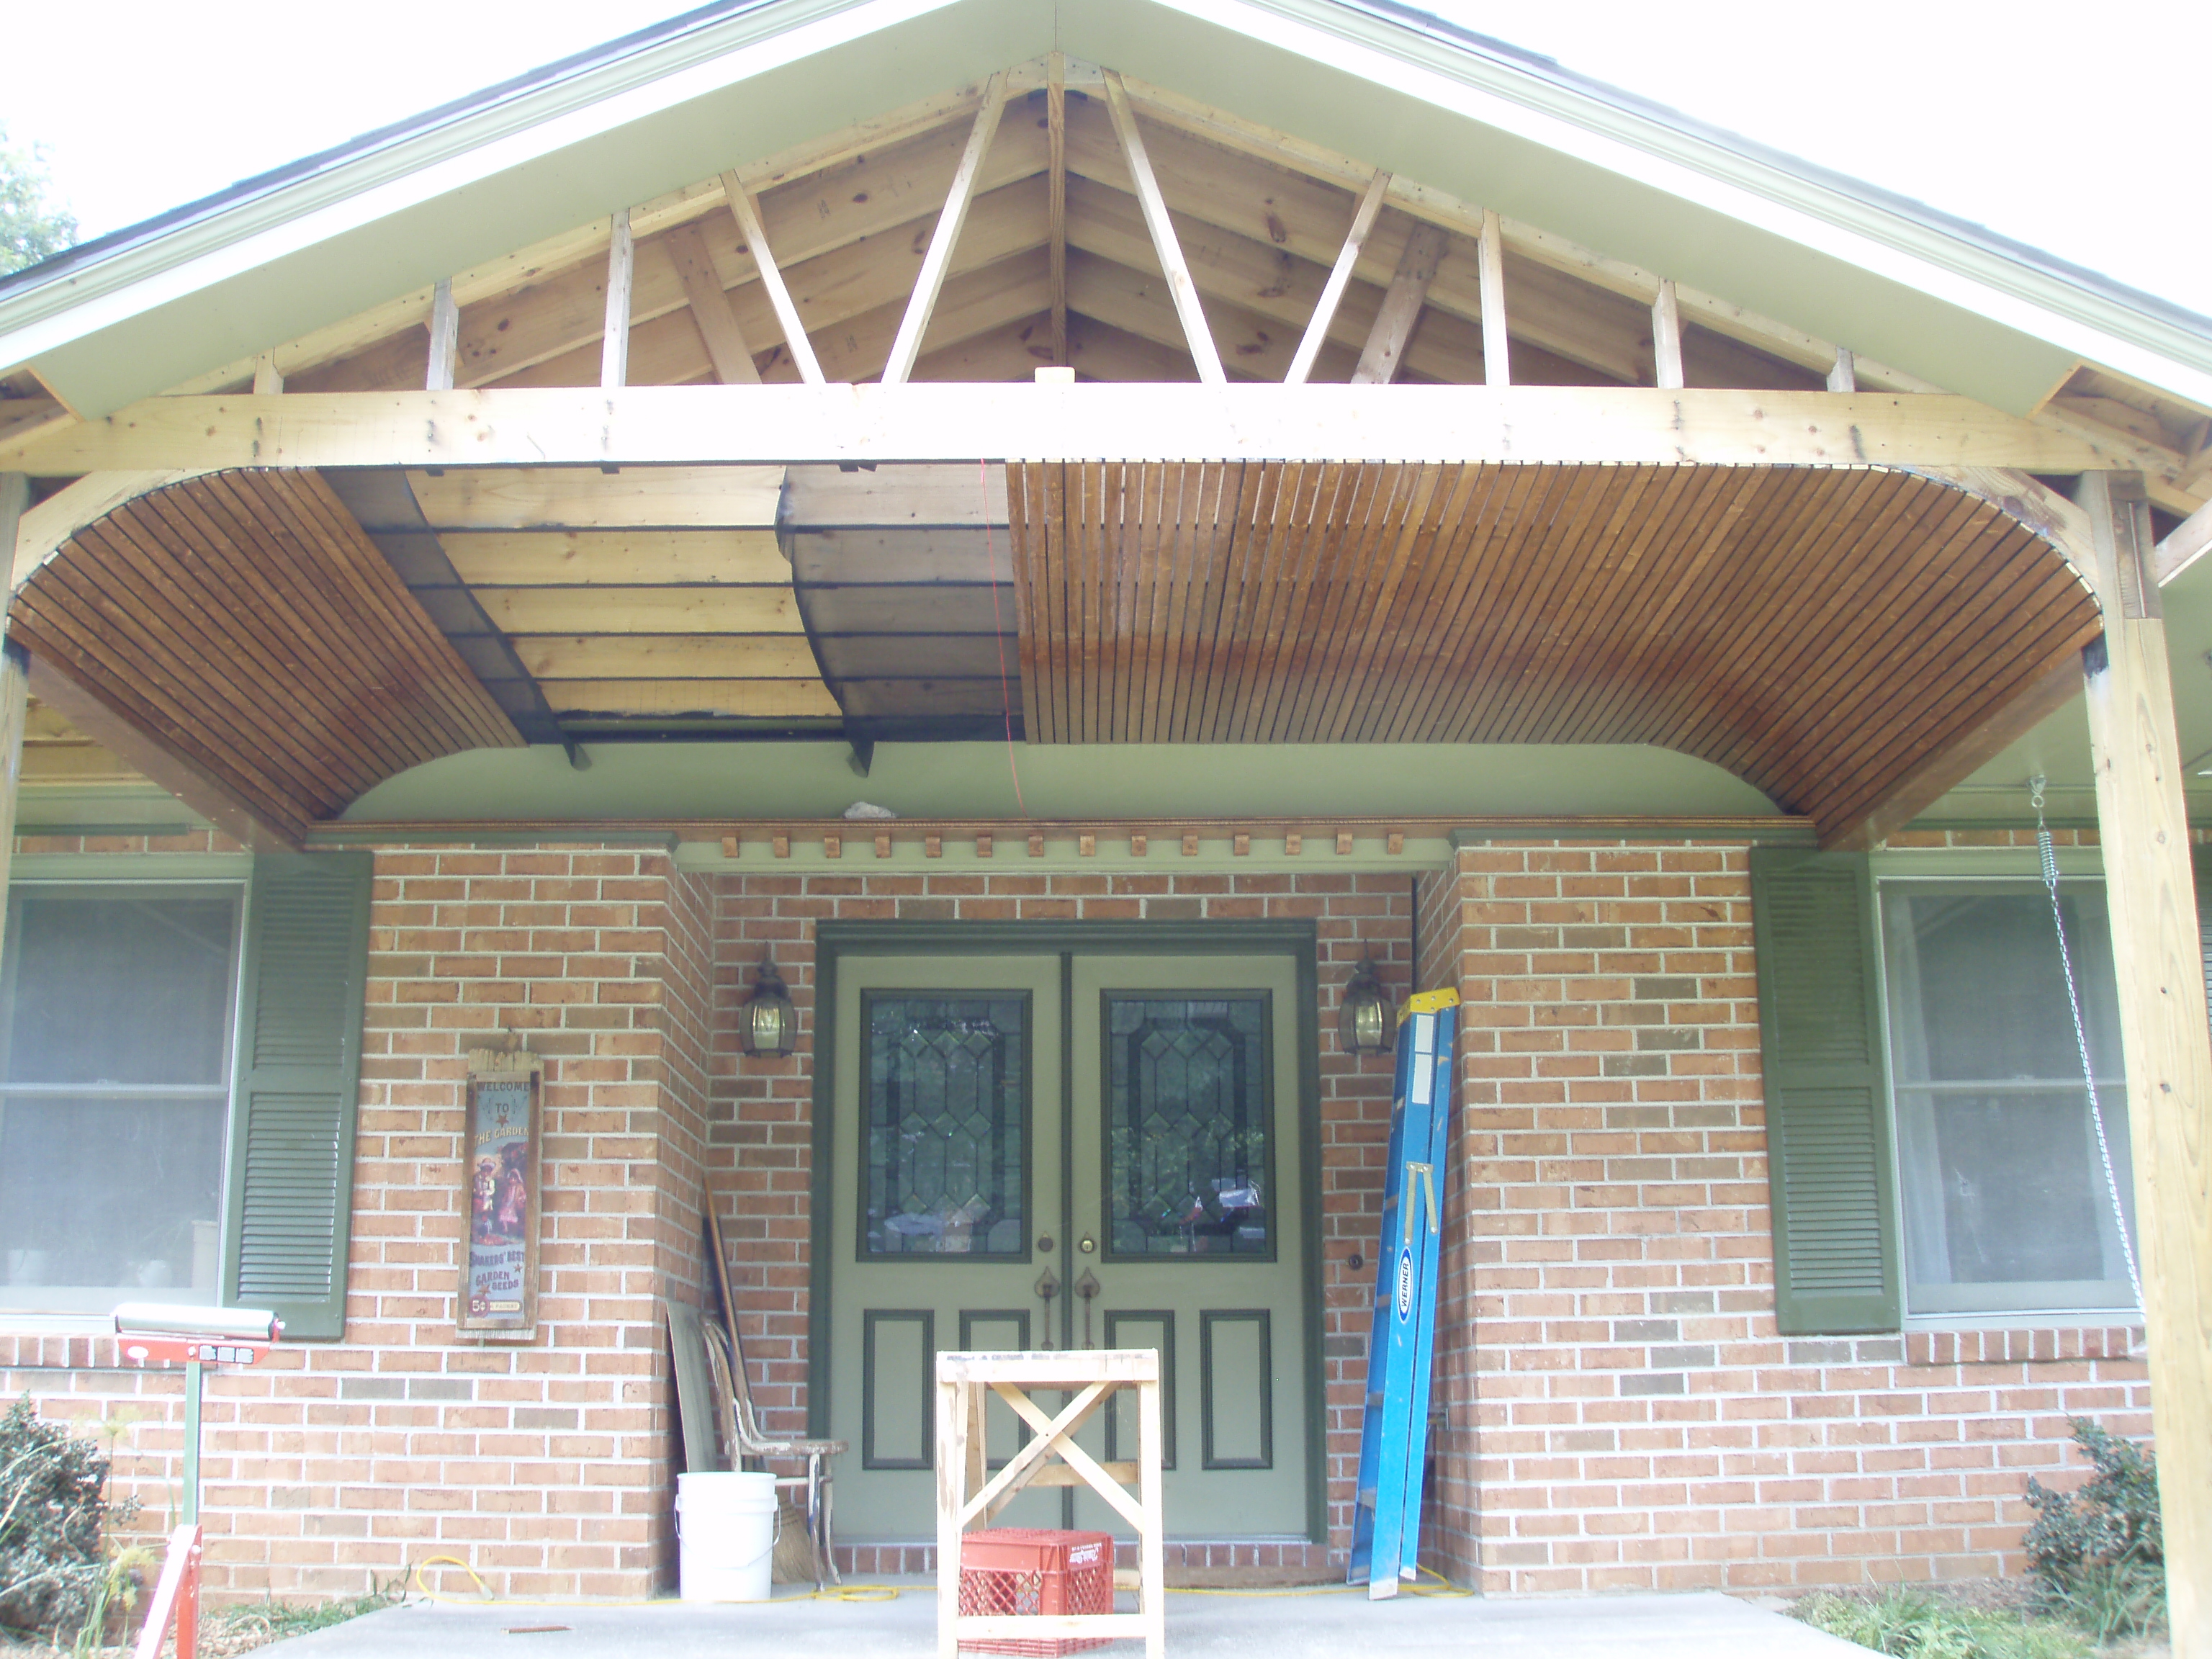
[{"x": 1386, "y": 1518}]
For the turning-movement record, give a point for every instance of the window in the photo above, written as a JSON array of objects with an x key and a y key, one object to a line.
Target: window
[
  {"x": 116, "y": 1009},
  {"x": 2001, "y": 1181}
]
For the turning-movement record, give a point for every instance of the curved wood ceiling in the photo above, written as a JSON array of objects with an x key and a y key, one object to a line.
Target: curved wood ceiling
[{"x": 1819, "y": 632}]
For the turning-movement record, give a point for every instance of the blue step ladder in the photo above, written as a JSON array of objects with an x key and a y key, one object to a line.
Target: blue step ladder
[{"x": 1386, "y": 1519}]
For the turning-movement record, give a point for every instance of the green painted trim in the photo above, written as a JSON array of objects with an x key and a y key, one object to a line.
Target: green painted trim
[
  {"x": 235, "y": 868},
  {"x": 24, "y": 828},
  {"x": 1208, "y": 1319},
  {"x": 2018, "y": 863},
  {"x": 1745, "y": 832},
  {"x": 401, "y": 835},
  {"x": 1316, "y": 1423},
  {"x": 870, "y": 1318},
  {"x": 868, "y": 999},
  {"x": 821, "y": 1195}
]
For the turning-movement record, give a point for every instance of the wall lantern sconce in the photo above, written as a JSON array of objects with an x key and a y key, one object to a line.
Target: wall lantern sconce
[
  {"x": 1363, "y": 1020},
  {"x": 768, "y": 1025}
]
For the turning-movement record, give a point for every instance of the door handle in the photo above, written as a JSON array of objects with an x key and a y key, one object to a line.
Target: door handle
[
  {"x": 1087, "y": 1288},
  {"x": 1048, "y": 1286}
]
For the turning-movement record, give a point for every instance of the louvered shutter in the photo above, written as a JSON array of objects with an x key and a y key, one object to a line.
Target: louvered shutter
[
  {"x": 297, "y": 1073},
  {"x": 1830, "y": 1158}
]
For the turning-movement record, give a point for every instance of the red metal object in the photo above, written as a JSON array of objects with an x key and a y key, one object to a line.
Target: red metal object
[
  {"x": 181, "y": 1349},
  {"x": 1032, "y": 1570},
  {"x": 176, "y": 1600}
]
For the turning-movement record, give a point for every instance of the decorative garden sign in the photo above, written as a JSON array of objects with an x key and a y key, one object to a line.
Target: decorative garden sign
[{"x": 501, "y": 1138}]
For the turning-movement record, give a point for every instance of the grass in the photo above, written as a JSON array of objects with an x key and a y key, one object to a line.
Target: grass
[
  {"x": 228, "y": 1630},
  {"x": 1912, "y": 1624}
]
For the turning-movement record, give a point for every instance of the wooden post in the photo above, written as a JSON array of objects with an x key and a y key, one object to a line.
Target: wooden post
[
  {"x": 1667, "y": 337},
  {"x": 1497, "y": 365},
  {"x": 14, "y": 680},
  {"x": 445, "y": 338},
  {"x": 621, "y": 263},
  {"x": 2151, "y": 894}
]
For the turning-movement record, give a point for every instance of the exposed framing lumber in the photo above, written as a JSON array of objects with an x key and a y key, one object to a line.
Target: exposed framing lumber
[
  {"x": 1497, "y": 347},
  {"x": 747, "y": 214},
  {"x": 1056, "y": 198},
  {"x": 445, "y": 338},
  {"x": 2190, "y": 540},
  {"x": 907, "y": 346},
  {"x": 44, "y": 528},
  {"x": 1667, "y": 337},
  {"x": 1339, "y": 276},
  {"x": 1402, "y": 307},
  {"x": 2143, "y": 835},
  {"x": 1843, "y": 374},
  {"x": 776, "y": 425},
  {"x": 1181, "y": 289},
  {"x": 710, "y": 308},
  {"x": 621, "y": 272},
  {"x": 268, "y": 380}
]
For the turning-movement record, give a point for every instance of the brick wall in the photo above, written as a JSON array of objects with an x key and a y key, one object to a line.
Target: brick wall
[
  {"x": 1619, "y": 1396},
  {"x": 544, "y": 1466}
]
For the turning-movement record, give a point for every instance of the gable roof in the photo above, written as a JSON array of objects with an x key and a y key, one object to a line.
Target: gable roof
[{"x": 147, "y": 308}]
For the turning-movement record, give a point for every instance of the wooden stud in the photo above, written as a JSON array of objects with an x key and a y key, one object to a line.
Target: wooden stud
[
  {"x": 1196, "y": 332},
  {"x": 833, "y": 846},
  {"x": 267, "y": 381},
  {"x": 1293, "y": 845},
  {"x": 907, "y": 346},
  {"x": 1844, "y": 376},
  {"x": 781, "y": 846},
  {"x": 746, "y": 211},
  {"x": 1339, "y": 276},
  {"x": 1343, "y": 843},
  {"x": 983, "y": 844},
  {"x": 1402, "y": 307},
  {"x": 710, "y": 308},
  {"x": 1137, "y": 845},
  {"x": 729, "y": 847},
  {"x": 1056, "y": 197},
  {"x": 621, "y": 273},
  {"x": 933, "y": 846},
  {"x": 1490, "y": 253},
  {"x": 883, "y": 844},
  {"x": 1667, "y": 337},
  {"x": 1190, "y": 846},
  {"x": 1396, "y": 843},
  {"x": 1036, "y": 847},
  {"x": 1241, "y": 845},
  {"x": 2143, "y": 830},
  {"x": 445, "y": 338}
]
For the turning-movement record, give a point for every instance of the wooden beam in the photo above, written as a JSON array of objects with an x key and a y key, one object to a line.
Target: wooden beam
[
  {"x": 907, "y": 346},
  {"x": 2151, "y": 896},
  {"x": 746, "y": 211},
  {"x": 621, "y": 267},
  {"x": 1844, "y": 375},
  {"x": 206, "y": 797},
  {"x": 774, "y": 425},
  {"x": 1181, "y": 289},
  {"x": 1402, "y": 307},
  {"x": 1056, "y": 198},
  {"x": 445, "y": 338},
  {"x": 710, "y": 308},
  {"x": 267, "y": 382},
  {"x": 1497, "y": 348},
  {"x": 1667, "y": 337},
  {"x": 2190, "y": 540},
  {"x": 1331, "y": 293},
  {"x": 1941, "y": 773}
]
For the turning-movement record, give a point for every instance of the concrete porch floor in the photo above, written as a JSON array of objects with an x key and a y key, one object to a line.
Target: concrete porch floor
[{"x": 1703, "y": 1624}]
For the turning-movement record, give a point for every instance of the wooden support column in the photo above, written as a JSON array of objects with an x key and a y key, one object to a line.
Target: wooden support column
[
  {"x": 267, "y": 381},
  {"x": 622, "y": 262},
  {"x": 1844, "y": 375},
  {"x": 1490, "y": 263},
  {"x": 2151, "y": 894},
  {"x": 14, "y": 683},
  {"x": 445, "y": 338},
  {"x": 1667, "y": 337}
]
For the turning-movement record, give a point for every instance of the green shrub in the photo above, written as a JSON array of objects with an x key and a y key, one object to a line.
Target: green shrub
[
  {"x": 1917, "y": 1624},
  {"x": 2098, "y": 1554},
  {"x": 54, "y": 1514}
]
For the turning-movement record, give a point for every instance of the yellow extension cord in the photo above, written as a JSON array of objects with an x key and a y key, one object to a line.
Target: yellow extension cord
[{"x": 863, "y": 1593}]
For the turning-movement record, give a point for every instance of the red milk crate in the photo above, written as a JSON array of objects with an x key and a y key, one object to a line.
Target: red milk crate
[{"x": 1035, "y": 1570}]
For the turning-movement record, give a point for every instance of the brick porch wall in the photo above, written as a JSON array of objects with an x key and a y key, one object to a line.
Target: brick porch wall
[
  {"x": 763, "y": 1119},
  {"x": 1619, "y": 1396},
  {"x": 542, "y": 1466}
]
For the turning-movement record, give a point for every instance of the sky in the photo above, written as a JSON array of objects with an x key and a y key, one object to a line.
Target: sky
[{"x": 2074, "y": 128}]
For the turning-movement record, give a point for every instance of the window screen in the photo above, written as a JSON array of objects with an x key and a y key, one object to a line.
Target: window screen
[
  {"x": 116, "y": 1007},
  {"x": 2007, "y": 1208}
]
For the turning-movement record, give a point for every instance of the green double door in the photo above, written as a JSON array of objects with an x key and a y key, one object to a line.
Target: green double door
[{"x": 1122, "y": 1130}]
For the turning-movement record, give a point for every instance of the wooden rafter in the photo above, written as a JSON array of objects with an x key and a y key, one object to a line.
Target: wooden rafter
[
  {"x": 907, "y": 346},
  {"x": 710, "y": 309},
  {"x": 621, "y": 264},
  {"x": 1181, "y": 289},
  {"x": 1666, "y": 338},
  {"x": 1402, "y": 307},
  {"x": 1496, "y": 346},
  {"x": 746, "y": 211},
  {"x": 445, "y": 338},
  {"x": 2188, "y": 541},
  {"x": 1331, "y": 293}
]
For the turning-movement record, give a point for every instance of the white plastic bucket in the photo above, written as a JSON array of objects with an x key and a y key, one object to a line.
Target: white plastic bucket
[{"x": 726, "y": 1536}]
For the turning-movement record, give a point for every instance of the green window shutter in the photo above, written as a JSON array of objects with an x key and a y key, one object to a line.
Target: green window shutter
[
  {"x": 2200, "y": 859},
  {"x": 1830, "y": 1155},
  {"x": 296, "y": 1078}
]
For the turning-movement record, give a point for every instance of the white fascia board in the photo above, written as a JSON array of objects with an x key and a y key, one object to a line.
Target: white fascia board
[
  {"x": 359, "y": 193},
  {"x": 1405, "y": 74}
]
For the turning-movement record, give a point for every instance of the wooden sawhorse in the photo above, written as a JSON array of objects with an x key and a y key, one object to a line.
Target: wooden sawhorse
[{"x": 964, "y": 1496}]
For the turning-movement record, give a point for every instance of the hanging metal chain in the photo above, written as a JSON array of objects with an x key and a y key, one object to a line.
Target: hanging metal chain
[{"x": 2049, "y": 856}]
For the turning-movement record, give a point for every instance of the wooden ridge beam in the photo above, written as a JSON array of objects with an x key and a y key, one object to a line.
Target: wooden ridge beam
[
  {"x": 1181, "y": 289},
  {"x": 780, "y": 424}
]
